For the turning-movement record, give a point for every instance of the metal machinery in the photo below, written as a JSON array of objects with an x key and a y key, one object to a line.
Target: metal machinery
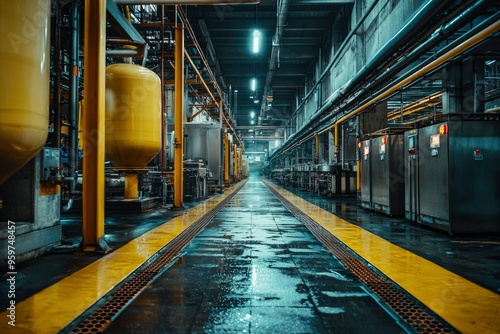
[
  {"x": 333, "y": 179},
  {"x": 195, "y": 180},
  {"x": 245, "y": 167},
  {"x": 452, "y": 171},
  {"x": 203, "y": 154},
  {"x": 382, "y": 174},
  {"x": 29, "y": 192}
]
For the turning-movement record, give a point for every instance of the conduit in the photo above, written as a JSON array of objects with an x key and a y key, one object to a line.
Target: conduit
[{"x": 479, "y": 37}]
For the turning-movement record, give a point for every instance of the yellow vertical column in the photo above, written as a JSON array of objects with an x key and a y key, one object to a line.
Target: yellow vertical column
[
  {"x": 240, "y": 163},
  {"x": 179, "y": 115},
  {"x": 93, "y": 123},
  {"x": 226, "y": 160},
  {"x": 235, "y": 162}
]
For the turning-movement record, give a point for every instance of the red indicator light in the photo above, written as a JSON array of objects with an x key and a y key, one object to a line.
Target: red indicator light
[
  {"x": 478, "y": 151},
  {"x": 360, "y": 144},
  {"x": 443, "y": 129},
  {"x": 384, "y": 140}
]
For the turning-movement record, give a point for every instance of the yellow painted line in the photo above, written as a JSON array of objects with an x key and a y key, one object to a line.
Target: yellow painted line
[
  {"x": 465, "y": 305},
  {"x": 55, "y": 307}
]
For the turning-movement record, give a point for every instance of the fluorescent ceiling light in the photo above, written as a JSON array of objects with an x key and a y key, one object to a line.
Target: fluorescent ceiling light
[
  {"x": 256, "y": 41},
  {"x": 253, "y": 84},
  {"x": 252, "y": 114}
]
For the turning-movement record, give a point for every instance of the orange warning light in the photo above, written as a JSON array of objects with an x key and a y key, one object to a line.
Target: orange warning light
[
  {"x": 384, "y": 140},
  {"x": 360, "y": 144},
  {"x": 443, "y": 129}
]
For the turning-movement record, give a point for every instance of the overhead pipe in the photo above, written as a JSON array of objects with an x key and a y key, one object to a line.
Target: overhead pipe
[
  {"x": 282, "y": 13},
  {"x": 201, "y": 78},
  {"x": 337, "y": 95},
  {"x": 481, "y": 36},
  {"x": 138, "y": 52},
  {"x": 422, "y": 15},
  {"x": 209, "y": 71},
  {"x": 452, "y": 46}
]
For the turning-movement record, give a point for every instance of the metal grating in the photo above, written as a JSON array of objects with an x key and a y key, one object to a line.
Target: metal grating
[
  {"x": 116, "y": 301},
  {"x": 408, "y": 309}
]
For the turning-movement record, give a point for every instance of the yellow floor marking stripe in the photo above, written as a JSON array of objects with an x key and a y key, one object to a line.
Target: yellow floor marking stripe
[
  {"x": 53, "y": 308},
  {"x": 465, "y": 305}
]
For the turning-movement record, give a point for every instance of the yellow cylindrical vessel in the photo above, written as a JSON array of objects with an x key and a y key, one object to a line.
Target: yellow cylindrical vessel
[
  {"x": 133, "y": 115},
  {"x": 24, "y": 90}
]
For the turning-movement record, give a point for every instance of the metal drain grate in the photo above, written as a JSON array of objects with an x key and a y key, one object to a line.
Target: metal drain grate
[
  {"x": 413, "y": 314},
  {"x": 99, "y": 319}
]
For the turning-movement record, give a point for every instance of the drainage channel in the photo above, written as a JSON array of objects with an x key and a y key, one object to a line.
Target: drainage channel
[
  {"x": 415, "y": 315},
  {"x": 104, "y": 312}
]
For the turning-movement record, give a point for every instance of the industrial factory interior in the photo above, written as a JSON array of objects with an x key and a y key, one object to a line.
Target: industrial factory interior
[{"x": 250, "y": 166}]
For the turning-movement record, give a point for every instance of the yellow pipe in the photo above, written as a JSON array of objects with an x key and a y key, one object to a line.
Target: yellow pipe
[
  {"x": 479, "y": 37},
  {"x": 358, "y": 175},
  {"x": 179, "y": 115},
  {"x": 131, "y": 185},
  {"x": 226, "y": 159},
  {"x": 127, "y": 12},
  {"x": 93, "y": 123},
  {"x": 316, "y": 152},
  {"x": 200, "y": 77}
]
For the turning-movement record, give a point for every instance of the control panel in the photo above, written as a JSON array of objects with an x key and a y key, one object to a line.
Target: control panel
[{"x": 50, "y": 163}]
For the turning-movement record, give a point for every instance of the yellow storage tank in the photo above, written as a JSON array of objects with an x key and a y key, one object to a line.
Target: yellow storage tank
[
  {"x": 24, "y": 89},
  {"x": 133, "y": 115}
]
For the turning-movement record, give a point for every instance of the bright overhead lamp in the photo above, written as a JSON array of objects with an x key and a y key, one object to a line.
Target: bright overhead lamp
[
  {"x": 253, "y": 84},
  {"x": 252, "y": 114},
  {"x": 256, "y": 41}
]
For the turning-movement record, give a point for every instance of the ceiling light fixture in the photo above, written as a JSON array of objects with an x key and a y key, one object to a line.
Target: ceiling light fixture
[
  {"x": 256, "y": 41},
  {"x": 254, "y": 84}
]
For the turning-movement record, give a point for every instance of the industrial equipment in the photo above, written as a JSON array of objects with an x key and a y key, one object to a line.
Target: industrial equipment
[
  {"x": 204, "y": 141},
  {"x": 382, "y": 174},
  {"x": 133, "y": 121},
  {"x": 452, "y": 171},
  {"x": 24, "y": 101}
]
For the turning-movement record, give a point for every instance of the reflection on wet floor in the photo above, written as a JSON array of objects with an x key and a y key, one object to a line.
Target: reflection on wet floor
[
  {"x": 255, "y": 269},
  {"x": 472, "y": 257}
]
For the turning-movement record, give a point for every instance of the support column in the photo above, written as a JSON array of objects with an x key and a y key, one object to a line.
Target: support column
[
  {"x": 226, "y": 160},
  {"x": 131, "y": 185},
  {"x": 179, "y": 115},
  {"x": 93, "y": 123}
]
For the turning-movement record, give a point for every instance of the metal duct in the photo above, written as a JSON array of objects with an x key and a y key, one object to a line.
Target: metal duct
[{"x": 275, "y": 51}]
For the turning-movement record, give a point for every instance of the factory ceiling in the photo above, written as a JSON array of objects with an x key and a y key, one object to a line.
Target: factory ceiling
[{"x": 291, "y": 35}]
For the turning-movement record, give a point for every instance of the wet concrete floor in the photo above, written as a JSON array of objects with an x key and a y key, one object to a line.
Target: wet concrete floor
[
  {"x": 255, "y": 269},
  {"x": 475, "y": 257}
]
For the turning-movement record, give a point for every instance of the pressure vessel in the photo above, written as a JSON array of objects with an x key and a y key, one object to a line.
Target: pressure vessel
[
  {"x": 24, "y": 88},
  {"x": 133, "y": 115}
]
